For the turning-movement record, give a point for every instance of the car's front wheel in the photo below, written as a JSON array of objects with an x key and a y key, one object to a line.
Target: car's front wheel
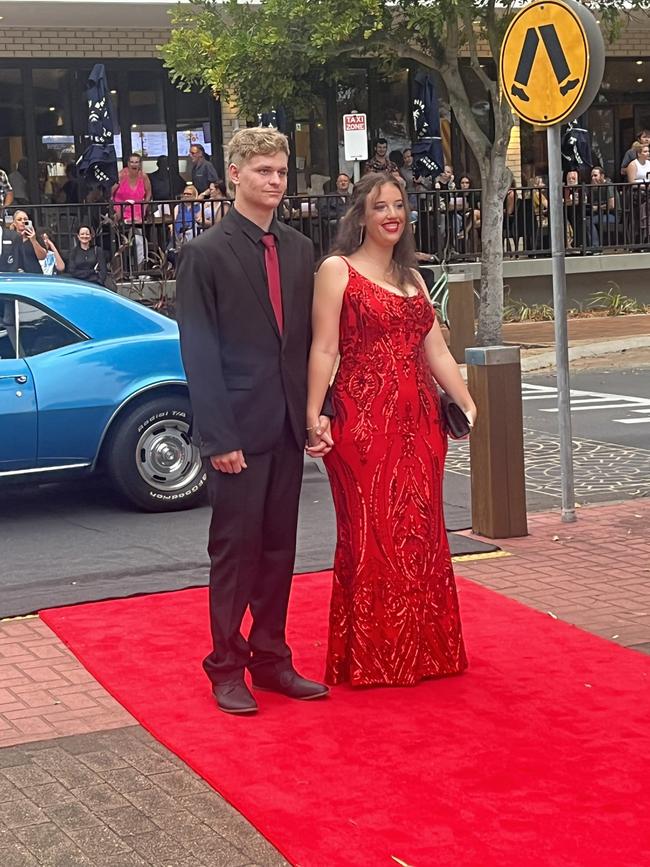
[{"x": 151, "y": 459}]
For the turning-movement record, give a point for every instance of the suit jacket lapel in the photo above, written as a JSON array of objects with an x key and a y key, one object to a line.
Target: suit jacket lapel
[{"x": 253, "y": 272}]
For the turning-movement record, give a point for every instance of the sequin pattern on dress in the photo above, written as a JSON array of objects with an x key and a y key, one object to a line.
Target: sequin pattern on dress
[{"x": 394, "y": 615}]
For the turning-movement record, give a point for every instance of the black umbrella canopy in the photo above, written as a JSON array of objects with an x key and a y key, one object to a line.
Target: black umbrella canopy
[
  {"x": 576, "y": 147},
  {"x": 427, "y": 150},
  {"x": 98, "y": 163}
]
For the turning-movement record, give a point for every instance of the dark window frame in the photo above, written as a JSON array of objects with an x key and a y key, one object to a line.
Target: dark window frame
[{"x": 81, "y": 337}]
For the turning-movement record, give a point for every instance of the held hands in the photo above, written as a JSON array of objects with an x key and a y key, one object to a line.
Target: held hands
[
  {"x": 319, "y": 438},
  {"x": 231, "y": 462}
]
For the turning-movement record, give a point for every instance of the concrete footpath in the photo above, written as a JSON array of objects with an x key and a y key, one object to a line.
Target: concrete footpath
[{"x": 81, "y": 783}]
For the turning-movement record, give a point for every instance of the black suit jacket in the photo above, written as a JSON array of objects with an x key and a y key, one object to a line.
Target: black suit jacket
[
  {"x": 9, "y": 251},
  {"x": 244, "y": 378}
]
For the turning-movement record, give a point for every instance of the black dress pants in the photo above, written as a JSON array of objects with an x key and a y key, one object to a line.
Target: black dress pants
[{"x": 252, "y": 547}]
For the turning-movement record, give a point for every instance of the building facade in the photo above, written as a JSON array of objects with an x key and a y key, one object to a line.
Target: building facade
[{"x": 50, "y": 47}]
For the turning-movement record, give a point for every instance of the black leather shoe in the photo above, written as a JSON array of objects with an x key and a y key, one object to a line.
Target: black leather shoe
[
  {"x": 234, "y": 697},
  {"x": 289, "y": 683}
]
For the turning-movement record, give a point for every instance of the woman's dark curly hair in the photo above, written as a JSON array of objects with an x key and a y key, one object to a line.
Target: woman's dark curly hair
[{"x": 348, "y": 237}]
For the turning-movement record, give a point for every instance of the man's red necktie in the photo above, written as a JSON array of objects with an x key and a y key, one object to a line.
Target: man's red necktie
[{"x": 273, "y": 276}]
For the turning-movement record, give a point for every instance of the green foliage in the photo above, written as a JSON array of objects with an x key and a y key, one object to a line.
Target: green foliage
[
  {"x": 516, "y": 310},
  {"x": 614, "y": 302},
  {"x": 274, "y": 53},
  {"x": 278, "y": 52}
]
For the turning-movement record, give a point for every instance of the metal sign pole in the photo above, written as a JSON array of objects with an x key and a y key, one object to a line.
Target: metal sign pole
[{"x": 556, "y": 223}]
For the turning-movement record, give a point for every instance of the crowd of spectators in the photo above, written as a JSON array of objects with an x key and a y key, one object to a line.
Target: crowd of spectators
[{"x": 445, "y": 210}]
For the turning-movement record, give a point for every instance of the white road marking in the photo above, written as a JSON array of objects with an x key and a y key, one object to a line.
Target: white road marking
[{"x": 585, "y": 401}]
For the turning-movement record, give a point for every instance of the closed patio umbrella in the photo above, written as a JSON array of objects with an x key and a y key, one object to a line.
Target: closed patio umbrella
[
  {"x": 427, "y": 149},
  {"x": 98, "y": 163}
]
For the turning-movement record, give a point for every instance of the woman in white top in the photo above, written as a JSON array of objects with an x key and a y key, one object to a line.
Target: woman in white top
[
  {"x": 639, "y": 169},
  {"x": 638, "y": 172}
]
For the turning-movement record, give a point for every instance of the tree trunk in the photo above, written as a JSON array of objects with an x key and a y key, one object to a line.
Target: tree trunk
[
  {"x": 493, "y": 191},
  {"x": 495, "y": 180}
]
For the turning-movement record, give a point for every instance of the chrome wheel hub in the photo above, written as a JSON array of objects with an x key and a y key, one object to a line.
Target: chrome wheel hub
[{"x": 165, "y": 456}]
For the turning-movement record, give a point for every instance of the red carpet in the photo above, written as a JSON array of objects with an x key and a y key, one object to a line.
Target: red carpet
[{"x": 537, "y": 757}]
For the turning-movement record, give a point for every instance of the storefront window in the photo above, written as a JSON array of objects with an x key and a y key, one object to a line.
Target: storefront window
[
  {"x": 600, "y": 121},
  {"x": 312, "y": 162},
  {"x": 146, "y": 111},
  {"x": 192, "y": 127},
  {"x": 13, "y": 148},
  {"x": 54, "y": 91}
]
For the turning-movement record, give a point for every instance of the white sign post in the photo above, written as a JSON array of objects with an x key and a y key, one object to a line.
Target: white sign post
[{"x": 355, "y": 140}]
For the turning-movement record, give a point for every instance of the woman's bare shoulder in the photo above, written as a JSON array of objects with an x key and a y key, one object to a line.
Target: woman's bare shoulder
[
  {"x": 333, "y": 268},
  {"x": 333, "y": 274}
]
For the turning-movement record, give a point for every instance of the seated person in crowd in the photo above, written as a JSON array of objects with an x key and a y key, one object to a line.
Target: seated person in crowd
[
  {"x": 216, "y": 203},
  {"x": 638, "y": 173},
  {"x": 602, "y": 205},
  {"x": 638, "y": 169},
  {"x": 53, "y": 262},
  {"x": 643, "y": 139},
  {"x": 573, "y": 198},
  {"x": 334, "y": 205},
  {"x": 445, "y": 180},
  {"x": 471, "y": 212},
  {"x": 87, "y": 261},
  {"x": 188, "y": 216}
]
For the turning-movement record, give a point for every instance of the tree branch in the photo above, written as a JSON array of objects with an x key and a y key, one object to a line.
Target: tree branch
[
  {"x": 491, "y": 30},
  {"x": 489, "y": 85},
  {"x": 479, "y": 142}
]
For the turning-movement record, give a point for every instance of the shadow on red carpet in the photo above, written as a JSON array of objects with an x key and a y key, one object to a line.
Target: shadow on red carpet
[{"x": 536, "y": 757}]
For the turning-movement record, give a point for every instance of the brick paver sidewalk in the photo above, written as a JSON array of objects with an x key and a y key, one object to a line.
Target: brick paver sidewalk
[
  {"x": 593, "y": 328},
  {"x": 82, "y": 784},
  {"x": 594, "y": 573}
]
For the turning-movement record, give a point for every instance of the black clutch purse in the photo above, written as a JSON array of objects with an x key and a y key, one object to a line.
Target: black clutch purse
[{"x": 453, "y": 418}]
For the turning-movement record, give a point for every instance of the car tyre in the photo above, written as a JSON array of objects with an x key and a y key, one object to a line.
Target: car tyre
[{"x": 150, "y": 458}]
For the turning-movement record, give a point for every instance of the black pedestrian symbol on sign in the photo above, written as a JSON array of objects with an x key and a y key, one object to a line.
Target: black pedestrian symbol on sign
[{"x": 555, "y": 55}]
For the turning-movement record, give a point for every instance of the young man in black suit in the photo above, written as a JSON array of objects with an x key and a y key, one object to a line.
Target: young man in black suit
[{"x": 244, "y": 297}]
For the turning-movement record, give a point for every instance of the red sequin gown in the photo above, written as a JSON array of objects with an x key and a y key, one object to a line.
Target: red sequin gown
[{"x": 394, "y": 611}]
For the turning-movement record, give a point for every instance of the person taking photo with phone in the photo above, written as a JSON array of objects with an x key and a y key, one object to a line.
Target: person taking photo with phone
[{"x": 30, "y": 250}]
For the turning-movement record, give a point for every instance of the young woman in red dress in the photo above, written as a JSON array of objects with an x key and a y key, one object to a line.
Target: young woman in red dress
[{"x": 394, "y": 616}]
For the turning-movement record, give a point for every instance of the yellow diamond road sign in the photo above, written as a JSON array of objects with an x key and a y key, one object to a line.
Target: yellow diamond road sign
[{"x": 545, "y": 59}]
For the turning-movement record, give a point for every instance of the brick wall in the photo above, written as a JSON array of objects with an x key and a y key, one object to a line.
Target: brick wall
[{"x": 93, "y": 43}]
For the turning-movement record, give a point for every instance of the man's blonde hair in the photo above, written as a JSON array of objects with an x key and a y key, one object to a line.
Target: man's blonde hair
[{"x": 254, "y": 141}]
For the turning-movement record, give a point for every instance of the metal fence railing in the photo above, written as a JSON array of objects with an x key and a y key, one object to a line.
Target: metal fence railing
[{"x": 142, "y": 239}]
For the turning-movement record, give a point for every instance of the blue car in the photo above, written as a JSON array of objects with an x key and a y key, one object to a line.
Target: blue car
[{"x": 92, "y": 381}]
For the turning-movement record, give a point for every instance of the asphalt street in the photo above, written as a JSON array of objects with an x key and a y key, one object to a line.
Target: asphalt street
[
  {"x": 70, "y": 542},
  {"x": 62, "y": 543},
  {"x": 611, "y": 406}
]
